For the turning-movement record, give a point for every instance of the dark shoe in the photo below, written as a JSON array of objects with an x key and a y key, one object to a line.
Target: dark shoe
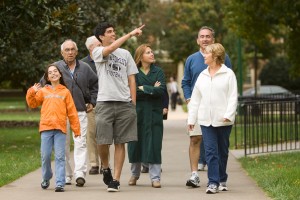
[
  {"x": 113, "y": 186},
  {"x": 107, "y": 177},
  {"x": 94, "y": 170},
  {"x": 101, "y": 170},
  {"x": 80, "y": 182},
  {"x": 45, "y": 184},
  {"x": 145, "y": 169},
  {"x": 59, "y": 188}
]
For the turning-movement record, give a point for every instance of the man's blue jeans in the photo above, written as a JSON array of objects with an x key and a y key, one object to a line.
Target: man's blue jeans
[
  {"x": 216, "y": 144},
  {"x": 56, "y": 139}
]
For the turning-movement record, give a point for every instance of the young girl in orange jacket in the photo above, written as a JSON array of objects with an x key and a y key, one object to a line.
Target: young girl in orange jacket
[{"x": 57, "y": 105}]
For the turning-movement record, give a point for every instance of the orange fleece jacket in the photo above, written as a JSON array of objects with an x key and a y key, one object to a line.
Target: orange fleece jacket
[{"x": 57, "y": 105}]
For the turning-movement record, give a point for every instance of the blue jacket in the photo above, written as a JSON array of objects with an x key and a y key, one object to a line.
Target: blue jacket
[{"x": 194, "y": 65}]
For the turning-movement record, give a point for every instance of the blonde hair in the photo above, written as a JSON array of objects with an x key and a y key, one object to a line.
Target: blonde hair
[
  {"x": 218, "y": 52},
  {"x": 139, "y": 54}
]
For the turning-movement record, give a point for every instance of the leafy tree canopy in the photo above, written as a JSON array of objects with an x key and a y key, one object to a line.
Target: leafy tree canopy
[
  {"x": 175, "y": 25},
  {"x": 270, "y": 74},
  {"x": 263, "y": 21},
  {"x": 32, "y": 32}
]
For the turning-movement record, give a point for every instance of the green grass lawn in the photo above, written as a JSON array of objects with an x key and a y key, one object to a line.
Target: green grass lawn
[
  {"x": 19, "y": 116},
  {"x": 19, "y": 152},
  {"x": 14, "y": 109},
  {"x": 12, "y": 103},
  {"x": 278, "y": 174}
]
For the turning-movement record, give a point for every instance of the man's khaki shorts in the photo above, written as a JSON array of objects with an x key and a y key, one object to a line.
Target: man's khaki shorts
[
  {"x": 116, "y": 122},
  {"x": 196, "y": 131}
]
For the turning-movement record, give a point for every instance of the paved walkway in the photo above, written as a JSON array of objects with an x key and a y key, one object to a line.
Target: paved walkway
[{"x": 175, "y": 173}]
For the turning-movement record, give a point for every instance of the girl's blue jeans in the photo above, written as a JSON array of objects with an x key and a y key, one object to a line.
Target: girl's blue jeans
[{"x": 57, "y": 140}]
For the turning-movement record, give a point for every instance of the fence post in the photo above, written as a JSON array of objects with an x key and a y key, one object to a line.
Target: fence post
[{"x": 245, "y": 128}]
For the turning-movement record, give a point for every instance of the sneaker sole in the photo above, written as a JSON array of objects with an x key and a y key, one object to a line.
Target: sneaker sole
[
  {"x": 45, "y": 186},
  {"x": 190, "y": 184},
  {"x": 211, "y": 192},
  {"x": 223, "y": 189},
  {"x": 113, "y": 189},
  {"x": 59, "y": 190},
  {"x": 80, "y": 182}
]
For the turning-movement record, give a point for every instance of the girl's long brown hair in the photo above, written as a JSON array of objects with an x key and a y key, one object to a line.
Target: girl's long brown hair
[{"x": 61, "y": 80}]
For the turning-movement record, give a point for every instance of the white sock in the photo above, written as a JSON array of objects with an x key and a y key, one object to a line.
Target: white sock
[{"x": 195, "y": 173}]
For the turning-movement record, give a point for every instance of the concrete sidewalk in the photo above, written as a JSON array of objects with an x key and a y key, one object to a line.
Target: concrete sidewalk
[{"x": 176, "y": 171}]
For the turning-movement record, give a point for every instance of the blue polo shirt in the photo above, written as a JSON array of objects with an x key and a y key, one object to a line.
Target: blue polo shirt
[{"x": 194, "y": 65}]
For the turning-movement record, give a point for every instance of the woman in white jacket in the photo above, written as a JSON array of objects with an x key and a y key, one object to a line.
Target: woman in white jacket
[{"x": 214, "y": 102}]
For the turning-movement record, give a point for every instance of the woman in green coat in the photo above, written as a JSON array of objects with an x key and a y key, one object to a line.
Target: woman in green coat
[{"x": 151, "y": 86}]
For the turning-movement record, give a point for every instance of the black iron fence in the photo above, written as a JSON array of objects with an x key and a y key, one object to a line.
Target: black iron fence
[{"x": 267, "y": 124}]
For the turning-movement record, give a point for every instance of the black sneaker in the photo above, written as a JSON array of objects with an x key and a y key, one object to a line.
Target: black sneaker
[
  {"x": 107, "y": 177},
  {"x": 113, "y": 186},
  {"x": 59, "y": 188},
  {"x": 45, "y": 184},
  {"x": 80, "y": 182}
]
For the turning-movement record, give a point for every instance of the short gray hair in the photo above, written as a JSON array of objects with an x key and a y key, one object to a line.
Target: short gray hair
[
  {"x": 68, "y": 40},
  {"x": 208, "y": 28},
  {"x": 89, "y": 41}
]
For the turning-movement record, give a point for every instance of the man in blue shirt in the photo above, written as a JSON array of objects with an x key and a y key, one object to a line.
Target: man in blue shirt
[{"x": 194, "y": 65}]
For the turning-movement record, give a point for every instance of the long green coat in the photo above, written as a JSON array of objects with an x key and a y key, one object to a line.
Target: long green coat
[{"x": 149, "y": 118}]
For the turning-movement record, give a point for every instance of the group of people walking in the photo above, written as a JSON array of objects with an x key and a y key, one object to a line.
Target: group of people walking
[{"x": 110, "y": 98}]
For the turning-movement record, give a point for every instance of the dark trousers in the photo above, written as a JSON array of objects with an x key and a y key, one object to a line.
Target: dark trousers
[
  {"x": 173, "y": 100},
  {"x": 216, "y": 144}
]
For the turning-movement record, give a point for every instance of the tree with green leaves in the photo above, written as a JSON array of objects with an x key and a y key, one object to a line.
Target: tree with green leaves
[
  {"x": 271, "y": 27},
  {"x": 172, "y": 29},
  {"x": 277, "y": 72},
  {"x": 32, "y": 32},
  {"x": 184, "y": 21}
]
